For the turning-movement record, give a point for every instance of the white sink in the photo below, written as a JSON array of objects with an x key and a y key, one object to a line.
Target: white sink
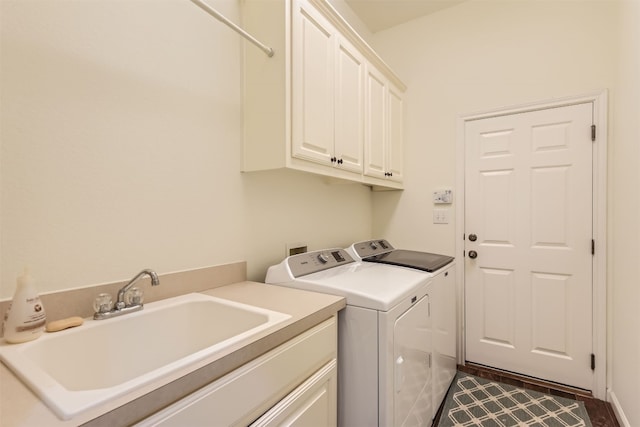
[{"x": 80, "y": 368}]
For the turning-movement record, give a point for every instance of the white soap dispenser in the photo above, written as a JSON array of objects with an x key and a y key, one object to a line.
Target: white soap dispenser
[{"x": 25, "y": 319}]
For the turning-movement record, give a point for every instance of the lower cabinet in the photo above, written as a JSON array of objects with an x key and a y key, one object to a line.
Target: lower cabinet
[
  {"x": 294, "y": 384},
  {"x": 311, "y": 404}
]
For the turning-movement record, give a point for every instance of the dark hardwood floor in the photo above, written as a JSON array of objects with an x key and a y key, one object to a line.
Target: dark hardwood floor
[{"x": 600, "y": 412}]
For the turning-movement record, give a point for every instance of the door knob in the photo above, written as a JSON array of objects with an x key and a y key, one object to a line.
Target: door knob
[
  {"x": 473, "y": 237},
  {"x": 473, "y": 254}
]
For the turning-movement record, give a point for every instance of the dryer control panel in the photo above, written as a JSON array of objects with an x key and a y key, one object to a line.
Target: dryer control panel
[
  {"x": 312, "y": 262},
  {"x": 372, "y": 248}
]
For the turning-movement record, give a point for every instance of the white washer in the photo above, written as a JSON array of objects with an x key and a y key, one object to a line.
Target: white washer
[
  {"x": 442, "y": 296},
  {"x": 384, "y": 335}
]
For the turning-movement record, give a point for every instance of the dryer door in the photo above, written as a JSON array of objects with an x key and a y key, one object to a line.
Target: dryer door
[{"x": 413, "y": 403}]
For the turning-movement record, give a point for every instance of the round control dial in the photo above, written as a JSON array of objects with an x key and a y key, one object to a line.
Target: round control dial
[
  {"x": 323, "y": 258},
  {"x": 373, "y": 245}
]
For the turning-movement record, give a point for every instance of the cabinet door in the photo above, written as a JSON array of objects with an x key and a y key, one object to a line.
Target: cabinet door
[
  {"x": 375, "y": 123},
  {"x": 314, "y": 403},
  {"x": 395, "y": 149},
  {"x": 244, "y": 394},
  {"x": 349, "y": 106},
  {"x": 313, "y": 86}
]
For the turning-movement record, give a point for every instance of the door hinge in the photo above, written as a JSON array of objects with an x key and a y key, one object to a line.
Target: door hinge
[
  {"x": 593, "y": 362},
  {"x": 593, "y": 132},
  {"x": 593, "y": 247}
]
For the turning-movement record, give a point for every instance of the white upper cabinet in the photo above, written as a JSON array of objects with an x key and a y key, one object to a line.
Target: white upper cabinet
[
  {"x": 383, "y": 128},
  {"x": 349, "y": 106},
  {"x": 376, "y": 125},
  {"x": 313, "y": 106},
  {"x": 327, "y": 119},
  {"x": 313, "y": 43}
]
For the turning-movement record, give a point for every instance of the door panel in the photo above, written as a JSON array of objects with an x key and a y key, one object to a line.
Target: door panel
[
  {"x": 498, "y": 290},
  {"x": 549, "y": 293},
  {"x": 313, "y": 82},
  {"x": 349, "y": 116},
  {"x": 375, "y": 126},
  {"x": 549, "y": 187},
  {"x": 528, "y": 198},
  {"x": 395, "y": 163},
  {"x": 498, "y": 205}
]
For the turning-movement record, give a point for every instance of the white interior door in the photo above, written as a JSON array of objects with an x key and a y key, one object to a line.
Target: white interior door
[{"x": 528, "y": 218}]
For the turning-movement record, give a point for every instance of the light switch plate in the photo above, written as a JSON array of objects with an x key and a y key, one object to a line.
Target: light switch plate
[{"x": 441, "y": 216}]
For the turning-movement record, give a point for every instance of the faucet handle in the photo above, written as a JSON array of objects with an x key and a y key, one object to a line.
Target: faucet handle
[
  {"x": 103, "y": 303},
  {"x": 134, "y": 296}
]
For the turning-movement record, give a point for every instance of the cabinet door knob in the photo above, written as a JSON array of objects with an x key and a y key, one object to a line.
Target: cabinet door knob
[{"x": 473, "y": 254}]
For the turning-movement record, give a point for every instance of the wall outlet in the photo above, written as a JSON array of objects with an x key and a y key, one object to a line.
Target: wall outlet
[{"x": 441, "y": 216}]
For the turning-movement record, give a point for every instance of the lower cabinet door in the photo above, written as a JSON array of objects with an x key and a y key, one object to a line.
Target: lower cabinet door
[
  {"x": 313, "y": 403},
  {"x": 245, "y": 394}
]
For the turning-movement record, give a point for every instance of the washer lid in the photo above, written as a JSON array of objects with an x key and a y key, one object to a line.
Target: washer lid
[
  {"x": 424, "y": 261},
  {"x": 368, "y": 285}
]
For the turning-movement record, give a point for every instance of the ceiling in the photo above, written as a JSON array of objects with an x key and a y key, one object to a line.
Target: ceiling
[{"x": 382, "y": 14}]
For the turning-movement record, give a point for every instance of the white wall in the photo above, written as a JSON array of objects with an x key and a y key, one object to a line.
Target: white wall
[
  {"x": 624, "y": 215},
  {"x": 292, "y": 207},
  {"x": 121, "y": 134},
  {"x": 473, "y": 57},
  {"x": 481, "y": 55}
]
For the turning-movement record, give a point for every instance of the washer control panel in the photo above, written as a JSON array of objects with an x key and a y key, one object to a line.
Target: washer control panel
[
  {"x": 312, "y": 262},
  {"x": 371, "y": 248}
]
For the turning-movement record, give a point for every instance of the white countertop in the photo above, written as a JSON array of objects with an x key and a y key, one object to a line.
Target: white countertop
[{"x": 19, "y": 407}]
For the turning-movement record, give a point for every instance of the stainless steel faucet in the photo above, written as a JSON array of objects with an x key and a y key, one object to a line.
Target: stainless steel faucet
[{"x": 121, "y": 307}]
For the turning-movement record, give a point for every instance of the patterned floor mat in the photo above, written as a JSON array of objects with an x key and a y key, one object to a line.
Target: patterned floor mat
[{"x": 474, "y": 401}]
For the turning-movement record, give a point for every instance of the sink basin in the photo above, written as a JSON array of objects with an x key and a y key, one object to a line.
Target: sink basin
[{"x": 77, "y": 369}]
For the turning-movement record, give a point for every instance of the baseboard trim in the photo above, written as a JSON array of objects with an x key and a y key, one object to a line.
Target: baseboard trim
[{"x": 617, "y": 409}]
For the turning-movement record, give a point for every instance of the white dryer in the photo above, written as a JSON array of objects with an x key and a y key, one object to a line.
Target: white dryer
[
  {"x": 384, "y": 336},
  {"x": 442, "y": 296}
]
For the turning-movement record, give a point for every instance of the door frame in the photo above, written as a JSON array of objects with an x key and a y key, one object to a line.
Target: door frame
[{"x": 599, "y": 209}]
